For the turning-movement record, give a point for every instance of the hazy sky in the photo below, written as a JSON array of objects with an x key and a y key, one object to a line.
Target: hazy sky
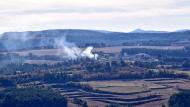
[{"x": 116, "y": 15}]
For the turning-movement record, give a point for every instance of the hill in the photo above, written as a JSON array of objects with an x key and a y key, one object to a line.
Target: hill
[{"x": 45, "y": 38}]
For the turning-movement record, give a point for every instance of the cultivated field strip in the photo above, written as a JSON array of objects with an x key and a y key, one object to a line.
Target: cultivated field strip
[
  {"x": 130, "y": 103},
  {"x": 124, "y": 99},
  {"x": 153, "y": 91}
]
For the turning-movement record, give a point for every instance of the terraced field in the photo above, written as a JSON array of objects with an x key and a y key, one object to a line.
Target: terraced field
[{"x": 138, "y": 93}]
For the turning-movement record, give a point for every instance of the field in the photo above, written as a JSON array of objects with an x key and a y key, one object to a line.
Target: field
[
  {"x": 123, "y": 87},
  {"x": 61, "y": 53},
  {"x": 182, "y": 71},
  {"x": 118, "y": 49},
  {"x": 115, "y": 49},
  {"x": 42, "y": 62},
  {"x": 139, "y": 93}
]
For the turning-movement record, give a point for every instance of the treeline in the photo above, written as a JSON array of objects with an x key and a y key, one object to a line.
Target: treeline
[
  {"x": 173, "y": 64},
  {"x": 135, "y": 75},
  {"x": 61, "y": 77},
  {"x": 150, "y": 65},
  {"x": 149, "y": 43},
  {"x": 108, "y": 66},
  {"x": 65, "y": 77},
  {"x": 11, "y": 67},
  {"x": 74, "y": 85},
  {"x": 14, "y": 67},
  {"x": 158, "y": 52}
]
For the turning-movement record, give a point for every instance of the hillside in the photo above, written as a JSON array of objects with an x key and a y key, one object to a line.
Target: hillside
[{"x": 45, "y": 39}]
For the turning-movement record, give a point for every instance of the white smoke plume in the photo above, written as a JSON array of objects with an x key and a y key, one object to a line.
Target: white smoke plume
[
  {"x": 67, "y": 49},
  {"x": 71, "y": 51},
  {"x": 88, "y": 53}
]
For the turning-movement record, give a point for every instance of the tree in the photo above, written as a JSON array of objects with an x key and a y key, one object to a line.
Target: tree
[
  {"x": 7, "y": 83},
  {"x": 31, "y": 97},
  {"x": 181, "y": 99}
]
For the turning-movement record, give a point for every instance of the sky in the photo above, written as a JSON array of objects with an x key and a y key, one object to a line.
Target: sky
[{"x": 112, "y": 15}]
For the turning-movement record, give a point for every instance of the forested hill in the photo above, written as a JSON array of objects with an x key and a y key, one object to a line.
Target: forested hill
[{"x": 80, "y": 37}]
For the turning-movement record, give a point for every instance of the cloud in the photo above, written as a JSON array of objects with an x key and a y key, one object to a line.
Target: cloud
[{"x": 122, "y": 15}]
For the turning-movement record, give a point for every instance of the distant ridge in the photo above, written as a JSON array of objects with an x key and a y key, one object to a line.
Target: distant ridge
[
  {"x": 147, "y": 31},
  {"x": 93, "y": 31},
  {"x": 82, "y": 38},
  {"x": 182, "y": 30}
]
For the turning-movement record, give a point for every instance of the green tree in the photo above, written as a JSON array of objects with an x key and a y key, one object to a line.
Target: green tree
[
  {"x": 31, "y": 97},
  {"x": 181, "y": 99}
]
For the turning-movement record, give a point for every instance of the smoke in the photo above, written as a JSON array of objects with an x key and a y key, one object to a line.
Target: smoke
[
  {"x": 88, "y": 53},
  {"x": 71, "y": 51},
  {"x": 14, "y": 41}
]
